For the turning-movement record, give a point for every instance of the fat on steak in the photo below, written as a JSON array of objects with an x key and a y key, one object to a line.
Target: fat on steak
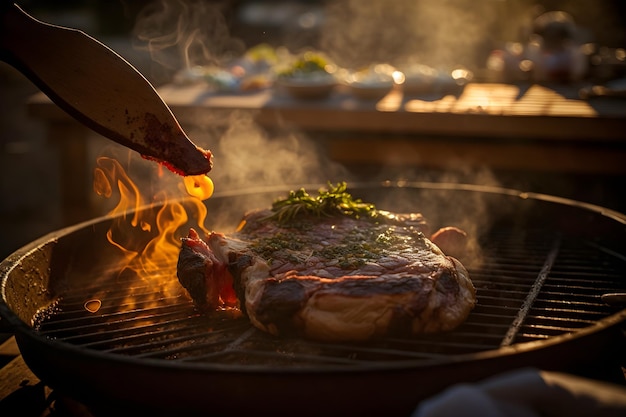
[{"x": 333, "y": 278}]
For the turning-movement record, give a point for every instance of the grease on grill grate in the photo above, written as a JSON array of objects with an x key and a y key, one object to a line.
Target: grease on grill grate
[{"x": 529, "y": 288}]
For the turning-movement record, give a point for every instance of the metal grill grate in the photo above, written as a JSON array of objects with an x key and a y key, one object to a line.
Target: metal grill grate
[{"x": 529, "y": 287}]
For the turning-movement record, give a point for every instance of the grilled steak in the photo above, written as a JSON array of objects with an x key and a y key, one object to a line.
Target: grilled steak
[{"x": 332, "y": 278}]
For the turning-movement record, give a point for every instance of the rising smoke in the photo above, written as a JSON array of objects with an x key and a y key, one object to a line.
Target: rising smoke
[
  {"x": 184, "y": 33},
  {"x": 448, "y": 33},
  {"x": 436, "y": 33}
]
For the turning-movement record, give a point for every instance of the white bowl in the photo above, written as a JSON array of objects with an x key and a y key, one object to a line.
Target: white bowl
[
  {"x": 314, "y": 87},
  {"x": 370, "y": 90}
]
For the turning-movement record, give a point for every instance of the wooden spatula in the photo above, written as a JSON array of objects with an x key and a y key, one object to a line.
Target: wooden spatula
[{"x": 99, "y": 88}]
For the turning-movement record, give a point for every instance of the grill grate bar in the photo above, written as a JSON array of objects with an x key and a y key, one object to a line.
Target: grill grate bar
[
  {"x": 607, "y": 251},
  {"x": 344, "y": 354},
  {"x": 533, "y": 293},
  {"x": 550, "y": 330},
  {"x": 581, "y": 322},
  {"x": 181, "y": 346},
  {"x": 75, "y": 316},
  {"x": 569, "y": 314},
  {"x": 273, "y": 358},
  {"x": 591, "y": 302},
  {"x": 130, "y": 339},
  {"x": 106, "y": 329}
]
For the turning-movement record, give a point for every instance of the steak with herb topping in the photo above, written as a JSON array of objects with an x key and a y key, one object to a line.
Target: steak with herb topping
[{"x": 330, "y": 278}]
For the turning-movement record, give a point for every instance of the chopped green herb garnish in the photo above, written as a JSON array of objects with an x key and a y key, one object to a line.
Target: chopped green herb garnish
[
  {"x": 307, "y": 63},
  {"x": 331, "y": 202}
]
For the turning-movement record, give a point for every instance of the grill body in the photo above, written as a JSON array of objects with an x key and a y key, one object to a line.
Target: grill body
[{"x": 543, "y": 266}]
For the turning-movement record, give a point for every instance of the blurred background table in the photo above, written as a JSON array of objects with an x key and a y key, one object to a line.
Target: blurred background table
[{"x": 529, "y": 128}]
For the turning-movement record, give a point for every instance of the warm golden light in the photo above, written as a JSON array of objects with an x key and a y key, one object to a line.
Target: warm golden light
[
  {"x": 199, "y": 186},
  {"x": 93, "y": 306},
  {"x": 526, "y": 65},
  {"x": 398, "y": 77}
]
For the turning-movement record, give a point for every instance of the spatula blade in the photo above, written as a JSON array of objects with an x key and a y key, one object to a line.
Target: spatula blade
[{"x": 98, "y": 87}]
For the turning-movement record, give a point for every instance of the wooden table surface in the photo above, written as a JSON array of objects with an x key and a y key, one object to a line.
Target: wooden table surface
[
  {"x": 521, "y": 111},
  {"x": 530, "y": 111}
]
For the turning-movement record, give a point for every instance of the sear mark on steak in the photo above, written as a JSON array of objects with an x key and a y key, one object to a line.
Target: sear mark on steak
[{"x": 329, "y": 278}]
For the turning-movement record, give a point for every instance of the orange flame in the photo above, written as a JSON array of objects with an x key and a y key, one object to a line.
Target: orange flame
[{"x": 147, "y": 231}]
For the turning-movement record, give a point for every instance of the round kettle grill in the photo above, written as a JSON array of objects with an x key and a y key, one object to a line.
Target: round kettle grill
[{"x": 547, "y": 275}]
